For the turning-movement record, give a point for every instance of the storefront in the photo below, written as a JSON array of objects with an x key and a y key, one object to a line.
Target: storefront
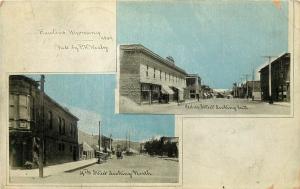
[
  {"x": 166, "y": 94},
  {"x": 176, "y": 94},
  {"x": 155, "y": 93},
  {"x": 150, "y": 93},
  {"x": 145, "y": 93}
]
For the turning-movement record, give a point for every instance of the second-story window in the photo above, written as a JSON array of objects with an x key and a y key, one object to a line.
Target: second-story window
[
  {"x": 50, "y": 117},
  {"x": 165, "y": 76},
  {"x": 147, "y": 69},
  {"x": 74, "y": 132},
  {"x": 71, "y": 129},
  {"x": 160, "y": 74},
  {"x": 59, "y": 125},
  {"x": 154, "y": 73},
  {"x": 63, "y": 127}
]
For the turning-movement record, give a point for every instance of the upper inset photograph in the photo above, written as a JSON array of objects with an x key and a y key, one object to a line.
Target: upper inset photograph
[{"x": 216, "y": 58}]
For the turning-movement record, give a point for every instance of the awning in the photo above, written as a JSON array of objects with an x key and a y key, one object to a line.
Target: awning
[
  {"x": 166, "y": 90},
  {"x": 180, "y": 89}
]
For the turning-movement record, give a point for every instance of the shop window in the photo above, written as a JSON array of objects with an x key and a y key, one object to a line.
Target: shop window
[
  {"x": 145, "y": 92},
  {"x": 155, "y": 92},
  {"x": 145, "y": 95}
]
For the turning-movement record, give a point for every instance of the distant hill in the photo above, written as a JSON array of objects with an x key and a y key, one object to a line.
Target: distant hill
[
  {"x": 93, "y": 140},
  {"x": 88, "y": 138},
  {"x": 122, "y": 143}
]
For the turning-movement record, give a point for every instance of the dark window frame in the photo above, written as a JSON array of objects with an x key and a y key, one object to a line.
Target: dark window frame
[{"x": 147, "y": 71}]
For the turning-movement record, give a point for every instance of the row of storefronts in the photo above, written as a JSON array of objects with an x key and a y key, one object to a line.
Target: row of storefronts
[
  {"x": 153, "y": 93},
  {"x": 278, "y": 87},
  {"x": 274, "y": 83},
  {"x": 147, "y": 78}
]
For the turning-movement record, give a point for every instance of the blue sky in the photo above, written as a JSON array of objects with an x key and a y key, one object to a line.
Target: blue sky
[
  {"x": 219, "y": 40},
  {"x": 91, "y": 98}
]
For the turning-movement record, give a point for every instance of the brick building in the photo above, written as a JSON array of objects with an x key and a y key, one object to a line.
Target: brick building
[
  {"x": 25, "y": 120},
  {"x": 280, "y": 79},
  {"x": 193, "y": 85},
  {"x": 146, "y": 78}
]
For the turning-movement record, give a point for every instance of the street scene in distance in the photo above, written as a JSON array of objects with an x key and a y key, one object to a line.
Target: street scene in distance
[
  {"x": 242, "y": 67},
  {"x": 62, "y": 129}
]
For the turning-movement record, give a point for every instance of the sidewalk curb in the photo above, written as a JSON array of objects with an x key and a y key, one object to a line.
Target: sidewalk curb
[{"x": 80, "y": 167}]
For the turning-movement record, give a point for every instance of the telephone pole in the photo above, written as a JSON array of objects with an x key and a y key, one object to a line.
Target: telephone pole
[
  {"x": 129, "y": 141},
  {"x": 42, "y": 128},
  {"x": 247, "y": 91},
  {"x": 99, "y": 143},
  {"x": 252, "y": 94},
  {"x": 110, "y": 142},
  {"x": 270, "y": 79},
  {"x": 241, "y": 88}
]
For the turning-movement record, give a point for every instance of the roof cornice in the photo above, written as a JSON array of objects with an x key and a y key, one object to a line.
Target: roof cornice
[{"x": 141, "y": 48}]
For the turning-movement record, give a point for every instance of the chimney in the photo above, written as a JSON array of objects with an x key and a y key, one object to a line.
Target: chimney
[{"x": 170, "y": 59}]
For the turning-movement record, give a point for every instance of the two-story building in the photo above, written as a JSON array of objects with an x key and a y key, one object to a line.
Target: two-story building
[
  {"x": 193, "y": 85},
  {"x": 280, "y": 79},
  {"x": 146, "y": 78},
  {"x": 253, "y": 89},
  {"x": 25, "y": 125}
]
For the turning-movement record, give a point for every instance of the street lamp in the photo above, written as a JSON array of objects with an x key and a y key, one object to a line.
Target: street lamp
[{"x": 99, "y": 143}]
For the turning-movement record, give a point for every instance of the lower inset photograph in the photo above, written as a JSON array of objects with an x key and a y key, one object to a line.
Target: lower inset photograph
[{"x": 63, "y": 129}]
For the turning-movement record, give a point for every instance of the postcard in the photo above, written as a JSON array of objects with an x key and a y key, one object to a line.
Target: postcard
[
  {"x": 57, "y": 135},
  {"x": 149, "y": 94},
  {"x": 216, "y": 58}
]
